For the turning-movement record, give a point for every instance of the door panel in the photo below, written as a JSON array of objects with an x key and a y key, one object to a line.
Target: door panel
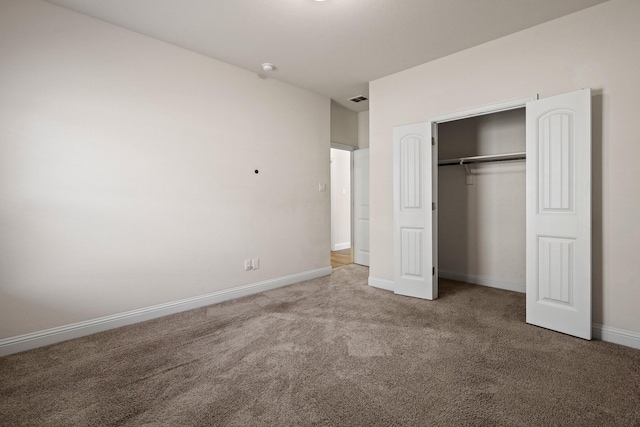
[
  {"x": 559, "y": 213},
  {"x": 413, "y": 234},
  {"x": 361, "y": 207}
]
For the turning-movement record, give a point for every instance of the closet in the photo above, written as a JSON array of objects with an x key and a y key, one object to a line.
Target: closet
[
  {"x": 466, "y": 205},
  {"x": 482, "y": 200}
]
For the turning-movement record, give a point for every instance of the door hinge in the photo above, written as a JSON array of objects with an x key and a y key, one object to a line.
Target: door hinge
[
  {"x": 433, "y": 272},
  {"x": 433, "y": 140},
  {"x": 433, "y": 206}
]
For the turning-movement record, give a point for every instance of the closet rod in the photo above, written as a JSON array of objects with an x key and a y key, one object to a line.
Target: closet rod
[{"x": 483, "y": 159}]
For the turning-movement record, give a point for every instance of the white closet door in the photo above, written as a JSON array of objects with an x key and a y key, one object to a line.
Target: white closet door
[
  {"x": 413, "y": 230},
  {"x": 361, "y": 207},
  {"x": 559, "y": 213}
]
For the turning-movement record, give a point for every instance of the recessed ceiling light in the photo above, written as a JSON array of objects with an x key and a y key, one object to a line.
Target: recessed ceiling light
[{"x": 268, "y": 66}]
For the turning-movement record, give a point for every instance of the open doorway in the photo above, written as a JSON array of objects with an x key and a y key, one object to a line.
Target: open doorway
[
  {"x": 482, "y": 200},
  {"x": 341, "y": 242}
]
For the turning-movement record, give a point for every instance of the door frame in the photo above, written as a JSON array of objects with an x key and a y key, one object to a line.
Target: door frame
[
  {"x": 433, "y": 123},
  {"x": 572, "y": 226},
  {"x": 350, "y": 149}
]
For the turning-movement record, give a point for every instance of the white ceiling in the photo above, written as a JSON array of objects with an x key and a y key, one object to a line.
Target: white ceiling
[{"x": 333, "y": 47}]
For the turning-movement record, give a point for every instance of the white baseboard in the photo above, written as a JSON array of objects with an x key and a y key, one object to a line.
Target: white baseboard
[
  {"x": 375, "y": 282},
  {"x": 88, "y": 327},
  {"x": 341, "y": 246},
  {"x": 482, "y": 280},
  {"x": 461, "y": 277},
  {"x": 599, "y": 332},
  {"x": 616, "y": 336},
  {"x": 62, "y": 333}
]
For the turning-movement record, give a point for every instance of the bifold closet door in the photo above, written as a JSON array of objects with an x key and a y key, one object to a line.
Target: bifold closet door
[
  {"x": 559, "y": 213},
  {"x": 413, "y": 228}
]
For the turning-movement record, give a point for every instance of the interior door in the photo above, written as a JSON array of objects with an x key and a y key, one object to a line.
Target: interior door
[
  {"x": 559, "y": 213},
  {"x": 412, "y": 201},
  {"x": 361, "y": 207}
]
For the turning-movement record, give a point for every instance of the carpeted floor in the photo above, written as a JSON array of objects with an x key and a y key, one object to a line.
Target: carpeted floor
[{"x": 332, "y": 351}]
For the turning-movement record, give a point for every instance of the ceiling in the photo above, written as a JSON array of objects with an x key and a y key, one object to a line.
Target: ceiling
[{"x": 333, "y": 47}]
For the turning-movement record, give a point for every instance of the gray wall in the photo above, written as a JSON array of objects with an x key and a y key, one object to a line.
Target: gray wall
[
  {"x": 482, "y": 226},
  {"x": 127, "y": 172},
  {"x": 595, "y": 48},
  {"x": 344, "y": 125}
]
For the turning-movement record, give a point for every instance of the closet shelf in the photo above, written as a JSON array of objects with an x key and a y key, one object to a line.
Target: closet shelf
[{"x": 483, "y": 159}]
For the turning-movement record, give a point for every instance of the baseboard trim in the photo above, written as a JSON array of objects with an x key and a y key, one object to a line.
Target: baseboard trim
[
  {"x": 599, "y": 332},
  {"x": 616, "y": 336},
  {"x": 482, "y": 281},
  {"x": 63, "y": 333},
  {"x": 75, "y": 330},
  {"x": 341, "y": 246},
  {"x": 375, "y": 282}
]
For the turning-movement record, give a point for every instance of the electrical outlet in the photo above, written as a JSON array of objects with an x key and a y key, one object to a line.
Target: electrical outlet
[
  {"x": 255, "y": 263},
  {"x": 247, "y": 265}
]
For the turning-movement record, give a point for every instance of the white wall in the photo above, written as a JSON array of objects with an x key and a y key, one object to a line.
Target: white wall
[
  {"x": 596, "y": 48},
  {"x": 127, "y": 171},
  {"x": 481, "y": 231},
  {"x": 344, "y": 125},
  {"x": 363, "y": 129},
  {"x": 340, "y": 199}
]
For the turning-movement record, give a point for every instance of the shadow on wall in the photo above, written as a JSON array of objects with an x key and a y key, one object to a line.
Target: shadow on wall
[
  {"x": 482, "y": 225},
  {"x": 455, "y": 139},
  {"x": 597, "y": 118}
]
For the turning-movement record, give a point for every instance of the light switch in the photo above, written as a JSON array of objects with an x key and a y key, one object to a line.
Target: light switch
[{"x": 322, "y": 187}]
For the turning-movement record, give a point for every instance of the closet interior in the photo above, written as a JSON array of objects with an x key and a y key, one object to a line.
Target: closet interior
[{"x": 482, "y": 200}]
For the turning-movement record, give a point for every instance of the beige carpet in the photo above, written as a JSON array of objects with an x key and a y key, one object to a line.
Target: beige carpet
[{"x": 331, "y": 351}]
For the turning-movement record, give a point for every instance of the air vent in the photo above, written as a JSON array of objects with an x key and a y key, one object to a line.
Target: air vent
[{"x": 357, "y": 99}]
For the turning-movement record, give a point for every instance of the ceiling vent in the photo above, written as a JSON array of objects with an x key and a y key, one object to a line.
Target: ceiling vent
[{"x": 358, "y": 98}]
